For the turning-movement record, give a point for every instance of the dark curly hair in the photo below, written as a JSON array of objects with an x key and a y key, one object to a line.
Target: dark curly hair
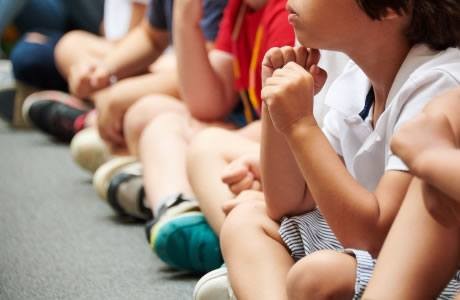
[{"x": 434, "y": 22}]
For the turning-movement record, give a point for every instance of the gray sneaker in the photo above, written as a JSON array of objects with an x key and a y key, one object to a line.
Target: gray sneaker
[{"x": 214, "y": 286}]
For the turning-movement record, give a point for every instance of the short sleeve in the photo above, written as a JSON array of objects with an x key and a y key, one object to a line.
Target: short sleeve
[
  {"x": 224, "y": 36},
  {"x": 331, "y": 129},
  {"x": 420, "y": 93}
]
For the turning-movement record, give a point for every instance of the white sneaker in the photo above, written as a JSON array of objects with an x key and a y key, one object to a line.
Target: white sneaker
[
  {"x": 6, "y": 75},
  {"x": 214, "y": 286},
  {"x": 105, "y": 173},
  {"x": 89, "y": 150}
]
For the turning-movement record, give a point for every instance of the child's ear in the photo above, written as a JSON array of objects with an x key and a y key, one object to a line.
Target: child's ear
[{"x": 391, "y": 14}]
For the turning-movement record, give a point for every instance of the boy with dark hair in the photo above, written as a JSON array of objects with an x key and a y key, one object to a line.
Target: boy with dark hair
[{"x": 338, "y": 187}]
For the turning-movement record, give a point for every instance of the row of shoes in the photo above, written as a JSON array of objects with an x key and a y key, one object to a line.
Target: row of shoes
[{"x": 178, "y": 234}]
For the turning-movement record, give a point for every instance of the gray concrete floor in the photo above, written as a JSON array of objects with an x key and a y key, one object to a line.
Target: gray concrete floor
[{"x": 59, "y": 241}]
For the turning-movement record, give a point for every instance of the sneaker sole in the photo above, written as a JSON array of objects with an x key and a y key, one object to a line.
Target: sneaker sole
[{"x": 171, "y": 242}]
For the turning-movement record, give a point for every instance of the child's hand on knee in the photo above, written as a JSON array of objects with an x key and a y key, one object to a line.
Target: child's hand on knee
[
  {"x": 243, "y": 174},
  {"x": 111, "y": 111},
  {"x": 423, "y": 135},
  {"x": 291, "y": 77},
  {"x": 86, "y": 78},
  {"x": 243, "y": 197}
]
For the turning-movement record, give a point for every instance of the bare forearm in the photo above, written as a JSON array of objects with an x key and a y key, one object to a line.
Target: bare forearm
[
  {"x": 141, "y": 47},
  {"x": 203, "y": 88},
  {"x": 284, "y": 185},
  {"x": 137, "y": 14},
  {"x": 352, "y": 212}
]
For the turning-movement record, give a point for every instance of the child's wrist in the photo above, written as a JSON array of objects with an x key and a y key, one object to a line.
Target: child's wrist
[{"x": 301, "y": 127}]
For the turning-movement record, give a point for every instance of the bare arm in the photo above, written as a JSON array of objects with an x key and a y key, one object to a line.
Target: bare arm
[
  {"x": 137, "y": 14},
  {"x": 284, "y": 186},
  {"x": 285, "y": 189},
  {"x": 417, "y": 252},
  {"x": 359, "y": 218},
  {"x": 206, "y": 81},
  {"x": 137, "y": 50},
  {"x": 428, "y": 144},
  {"x": 131, "y": 56}
]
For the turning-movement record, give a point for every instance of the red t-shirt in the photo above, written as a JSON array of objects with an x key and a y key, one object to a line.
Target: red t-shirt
[{"x": 248, "y": 37}]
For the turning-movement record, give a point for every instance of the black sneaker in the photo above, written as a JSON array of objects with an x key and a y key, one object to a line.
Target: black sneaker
[{"x": 55, "y": 113}]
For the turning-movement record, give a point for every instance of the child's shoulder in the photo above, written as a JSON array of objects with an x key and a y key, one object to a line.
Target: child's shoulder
[
  {"x": 424, "y": 74},
  {"x": 424, "y": 61}
]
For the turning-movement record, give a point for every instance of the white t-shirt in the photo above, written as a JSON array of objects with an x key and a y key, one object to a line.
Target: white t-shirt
[
  {"x": 366, "y": 150},
  {"x": 334, "y": 63},
  {"x": 117, "y": 17}
]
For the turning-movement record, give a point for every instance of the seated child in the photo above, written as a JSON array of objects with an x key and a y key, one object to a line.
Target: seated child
[{"x": 339, "y": 187}]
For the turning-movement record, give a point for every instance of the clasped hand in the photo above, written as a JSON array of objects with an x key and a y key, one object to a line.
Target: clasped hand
[{"x": 290, "y": 78}]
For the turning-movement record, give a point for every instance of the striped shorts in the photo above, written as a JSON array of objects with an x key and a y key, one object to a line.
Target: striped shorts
[{"x": 310, "y": 232}]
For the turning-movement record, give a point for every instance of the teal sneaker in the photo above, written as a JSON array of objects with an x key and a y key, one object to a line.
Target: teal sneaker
[{"x": 186, "y": 242}]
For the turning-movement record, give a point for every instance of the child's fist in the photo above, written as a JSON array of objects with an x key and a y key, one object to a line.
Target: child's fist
[
  {"x": 291, "y": 77},
  {"x": 424, "y": 133},
  {"x": 243, "y": 174}
]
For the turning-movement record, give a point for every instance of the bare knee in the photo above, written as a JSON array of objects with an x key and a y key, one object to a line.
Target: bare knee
[
  {"x": 144, "y": 111},
  {"x": 205, "y": 144},
  {"x": 246, "y": 217},
  {"x": 134, "y": 123},
  {"x": 324, "y": 274},
  {"x": 162, "y": 129},
  {"x": 66, "y": 45}
]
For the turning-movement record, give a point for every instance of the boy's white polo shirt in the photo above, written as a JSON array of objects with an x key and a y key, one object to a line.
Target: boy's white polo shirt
[{"x": 366, "y": 150}]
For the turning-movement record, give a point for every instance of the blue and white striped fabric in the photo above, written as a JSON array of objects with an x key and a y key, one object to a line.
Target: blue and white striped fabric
[{"x": 310, "y": 232}]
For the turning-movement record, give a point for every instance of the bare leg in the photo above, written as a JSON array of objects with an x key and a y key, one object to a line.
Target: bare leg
[
  {"x": 256, "y": 258},
  {"x": 78, "y": 46},
  {"x": 419, "y": 255},
  {"x": 131, "y": 89},
  {"x": 163, "y": 148},
  {"x": 210, "y": 151},
  {"x": 143, "y": 112},
  {"x": 322, "y": 275}
]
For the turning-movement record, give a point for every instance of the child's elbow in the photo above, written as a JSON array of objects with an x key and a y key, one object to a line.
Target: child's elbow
[
  {"x": 274, "y": 212},
  {"x": 205, "y": 113}
]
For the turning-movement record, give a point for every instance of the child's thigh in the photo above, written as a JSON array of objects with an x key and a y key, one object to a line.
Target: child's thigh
[
  {"x": 148, "y": 109},
  {"x": 227, "y": 143},
  {"x": 252, "y": 131},
  {"x": 165, "y": 63},
  {"x": 85, "y": 45}
]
